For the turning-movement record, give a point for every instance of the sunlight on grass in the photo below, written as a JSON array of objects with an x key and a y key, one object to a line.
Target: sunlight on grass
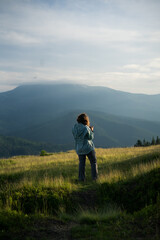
[
  {"x": 48, "y": 185},
  {"x": 112, "y": 176},
  {"x": 144, "y": 168},
  {"x": 60, "y": 168},
  {"x": 98, "y": 215},
  {"x": 114, "y": 164}
]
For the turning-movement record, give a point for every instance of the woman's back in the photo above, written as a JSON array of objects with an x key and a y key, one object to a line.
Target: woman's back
[{"x": 83, "y": 138}]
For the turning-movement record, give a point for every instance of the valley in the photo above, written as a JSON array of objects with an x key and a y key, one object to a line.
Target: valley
[{"x": 45, "y": 114}]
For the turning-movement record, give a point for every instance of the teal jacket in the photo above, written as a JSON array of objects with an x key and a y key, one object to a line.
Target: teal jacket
[{"x": 83, "y": 138}]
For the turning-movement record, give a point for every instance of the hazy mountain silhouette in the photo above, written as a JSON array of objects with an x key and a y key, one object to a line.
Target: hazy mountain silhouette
[
  {"x": 48, "y": 112},
  {"x": 110, "y": 130}
]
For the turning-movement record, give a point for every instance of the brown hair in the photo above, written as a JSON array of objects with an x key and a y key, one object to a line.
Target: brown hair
[{"x": 84, "y": 119}]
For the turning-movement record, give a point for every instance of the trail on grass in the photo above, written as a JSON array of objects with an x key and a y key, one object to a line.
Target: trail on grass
[{"x": 48, "y": 230}]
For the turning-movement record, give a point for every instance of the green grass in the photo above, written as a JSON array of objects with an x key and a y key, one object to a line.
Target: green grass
[
  {"x": 141, "y": 225},
  {"x": 123, "y": 204}
]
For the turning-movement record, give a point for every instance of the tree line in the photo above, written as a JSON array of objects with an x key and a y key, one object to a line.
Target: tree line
[
  {"x": 145, "y": 143},
  {"x": 12, "y": 146}
]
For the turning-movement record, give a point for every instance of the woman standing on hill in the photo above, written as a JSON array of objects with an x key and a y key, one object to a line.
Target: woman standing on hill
[{"x": 83, "y": 135}]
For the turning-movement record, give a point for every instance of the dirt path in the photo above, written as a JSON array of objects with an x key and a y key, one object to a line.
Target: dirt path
[
  {"x": 54, "y": 229},
  {"x": 48, "y": 230}
]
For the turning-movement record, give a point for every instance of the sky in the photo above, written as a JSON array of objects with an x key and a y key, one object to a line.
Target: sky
[{"x": 111, "y": 43}]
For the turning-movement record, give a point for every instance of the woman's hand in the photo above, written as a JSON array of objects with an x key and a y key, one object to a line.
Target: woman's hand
[{"x": 92, "y": 128}]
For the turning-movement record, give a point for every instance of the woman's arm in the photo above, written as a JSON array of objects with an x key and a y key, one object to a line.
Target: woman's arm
[{"x": 90, "y": 134}]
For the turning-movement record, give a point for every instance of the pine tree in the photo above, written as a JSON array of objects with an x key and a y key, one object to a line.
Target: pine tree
[
  {"x": 138, "y": 143},
  {"x": 144, "y": 142},
  {"x": 157, "y": 140},
  {"x": 153, "y": 141},
  {"x": 148, "y": 143}
]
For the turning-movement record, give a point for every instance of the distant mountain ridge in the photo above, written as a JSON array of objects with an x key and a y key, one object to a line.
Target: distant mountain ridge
[
  {"x": 110, "y": 130},
  {"x": 46, "y": 113}
]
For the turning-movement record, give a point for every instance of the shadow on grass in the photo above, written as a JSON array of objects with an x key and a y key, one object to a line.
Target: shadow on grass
[{"x": 133, "y": 194}]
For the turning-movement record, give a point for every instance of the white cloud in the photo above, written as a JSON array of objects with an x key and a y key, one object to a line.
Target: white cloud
[
  {"x": 100, "y": 42},
  {"x": 150, "y": 67},
  {"x": 17, "y": 38},
  {"x": 11, "y": 78},
  {"x": 154, "y": 63},
  {"x": 136, "y": 82},
  {"x": 42, "y": 25},
  {"x": 136, "y": 68}
]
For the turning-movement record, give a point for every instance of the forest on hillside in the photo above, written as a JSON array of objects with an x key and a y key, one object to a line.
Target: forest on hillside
[
  {"x": 145, "y": 143},
  {"x": 12, "y": 146}
]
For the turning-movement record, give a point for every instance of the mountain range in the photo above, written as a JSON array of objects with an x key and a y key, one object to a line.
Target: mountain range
[{"x": 47, "y": 113}]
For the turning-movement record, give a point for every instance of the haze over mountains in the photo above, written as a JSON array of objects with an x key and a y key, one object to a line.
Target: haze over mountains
[{"x": 46, "y": 113}]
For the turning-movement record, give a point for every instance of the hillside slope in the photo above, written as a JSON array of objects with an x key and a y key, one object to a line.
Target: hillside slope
[
  {"x": 34, "y": 104},
  {"x": 12, "y": 146},
  {"x": 110, "y": 130},
  {"x": 42, "y": 199},
  {"x": 48, "y": 112}
]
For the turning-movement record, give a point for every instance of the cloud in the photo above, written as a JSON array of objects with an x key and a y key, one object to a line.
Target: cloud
[
  {"x": 150, "y": 67},
  {"x": 102, "y": 42},
  {"x": 11, "y": 78},
  {"x": 136, "y": 81},
  {"x": 136, "y": 68},
  {"x": 24, "y": 24},
  {"x": 154, "y": 63},
  {"x": 16, "y": 38}
]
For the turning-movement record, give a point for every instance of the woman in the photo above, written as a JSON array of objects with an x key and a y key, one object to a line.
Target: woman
[{"x": 83, "y": 135}]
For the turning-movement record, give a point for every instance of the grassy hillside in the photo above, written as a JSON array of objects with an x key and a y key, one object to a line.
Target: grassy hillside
[{"x": 40, "y": 197}]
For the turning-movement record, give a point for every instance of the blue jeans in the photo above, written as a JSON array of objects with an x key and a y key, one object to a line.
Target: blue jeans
[{"x": 82, "y": 162}]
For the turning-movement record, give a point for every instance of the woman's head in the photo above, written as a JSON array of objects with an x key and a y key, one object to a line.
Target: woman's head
[{"x": 84, "y": 119}]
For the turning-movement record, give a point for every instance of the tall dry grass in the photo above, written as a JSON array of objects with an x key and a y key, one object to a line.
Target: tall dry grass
[{"x": 114, "y": 164}]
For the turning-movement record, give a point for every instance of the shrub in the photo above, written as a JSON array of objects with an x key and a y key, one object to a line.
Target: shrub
[
  {"x": 44, "y": 153},
  {"x": 31, "y": 199}
]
